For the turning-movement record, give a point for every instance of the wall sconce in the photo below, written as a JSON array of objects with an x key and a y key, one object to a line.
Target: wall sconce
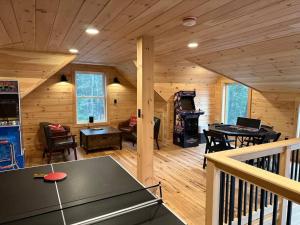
[
  {"x": 63, "y": 78},
  {"x": 116, "y": 81}
]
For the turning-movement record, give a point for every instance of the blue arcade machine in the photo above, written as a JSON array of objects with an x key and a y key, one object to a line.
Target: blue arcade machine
[{"x": 11, "y": 152}]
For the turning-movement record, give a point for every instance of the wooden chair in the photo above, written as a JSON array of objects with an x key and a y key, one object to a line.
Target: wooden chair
[
  {"x": 57, "y": 142},
  {"x": 226, "y": 136},
  {"x": 215, "y": 142},
  {"x": 130, "y": 132},
  {"x": 156, "y": 130},
  {"x": 263, "y": 139}
]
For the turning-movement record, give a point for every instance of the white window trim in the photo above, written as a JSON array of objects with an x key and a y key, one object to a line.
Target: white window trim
[
  {"x": 223, "y": 103},
  {"x": 104, "y": 97},
  {"x": 298, "y": 121}
]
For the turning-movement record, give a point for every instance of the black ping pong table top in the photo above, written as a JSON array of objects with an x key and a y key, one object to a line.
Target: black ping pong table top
[{"x": 86, "y": 193}]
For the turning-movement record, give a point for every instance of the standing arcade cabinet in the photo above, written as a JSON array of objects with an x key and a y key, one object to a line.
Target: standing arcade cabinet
[
  {"x": 186, "y": 120},
  {"x": 11, "y": 152}
]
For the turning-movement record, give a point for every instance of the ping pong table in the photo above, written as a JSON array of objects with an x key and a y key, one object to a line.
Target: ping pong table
[{"x": 96, "y": 191}]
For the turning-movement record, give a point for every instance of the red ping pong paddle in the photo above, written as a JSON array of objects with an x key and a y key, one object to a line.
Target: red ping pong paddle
[{"x": 51, "y": 177}]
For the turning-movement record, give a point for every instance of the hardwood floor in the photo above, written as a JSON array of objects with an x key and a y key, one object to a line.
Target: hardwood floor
[{"x": 179, "y": 170}]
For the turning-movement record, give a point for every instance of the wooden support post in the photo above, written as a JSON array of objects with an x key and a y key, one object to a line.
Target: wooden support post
[
  {"x": 212, "y": 194},
  {"x": 145, "y": 106},
  {"x": 284, "y": 170}
]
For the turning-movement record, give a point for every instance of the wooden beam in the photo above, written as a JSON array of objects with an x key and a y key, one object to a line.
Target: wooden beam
[{"x": 145, "y": 105}]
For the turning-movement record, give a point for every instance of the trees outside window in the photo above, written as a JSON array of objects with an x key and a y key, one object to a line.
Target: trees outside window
[
  {"x": 236, "y": 102},
  {"x": 90, "y": 97}
]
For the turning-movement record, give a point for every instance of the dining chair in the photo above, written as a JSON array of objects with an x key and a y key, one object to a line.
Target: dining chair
[
  {"x": 215, "y": 142},
  {"x": 263, "y": 139}
]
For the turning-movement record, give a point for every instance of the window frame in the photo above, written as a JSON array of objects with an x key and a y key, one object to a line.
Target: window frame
[
  {"x": 297, "y": 119},
  {"x": 104, "y": 96},
  {"x": 225, "y": 99}
]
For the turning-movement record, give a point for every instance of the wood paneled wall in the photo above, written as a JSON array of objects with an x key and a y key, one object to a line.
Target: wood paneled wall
[
  {"x": 277, "y": 109},
  {"x": 54, "y": 101},
  {"x": 273, "y": 108},
  {"x": 170, "y": 77},
  {"x": 160, "y": 111},
  {"x": 205, "y": 100}
]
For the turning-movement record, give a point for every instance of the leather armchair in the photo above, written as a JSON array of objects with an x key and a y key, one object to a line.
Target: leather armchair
[
  {"x": 128, "y": 132},
  {"x": 53, "y": 142}
]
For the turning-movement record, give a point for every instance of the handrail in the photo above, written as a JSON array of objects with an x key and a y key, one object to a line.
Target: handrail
[
  {"x": 275, "y": 183},
  {"x": 232, "y": 162},
  {"x": 256, "y": 151}
]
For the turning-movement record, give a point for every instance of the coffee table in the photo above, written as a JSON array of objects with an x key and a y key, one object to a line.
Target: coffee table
[{"x": 102, "y": 137}]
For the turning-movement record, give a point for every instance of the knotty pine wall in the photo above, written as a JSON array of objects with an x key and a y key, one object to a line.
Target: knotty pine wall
[
  {"x": 160, "y": 111},
  {"x": 205, "y": 100},
  {"x": 54, "y": 101},
  {"x": 277, "y": 109}
]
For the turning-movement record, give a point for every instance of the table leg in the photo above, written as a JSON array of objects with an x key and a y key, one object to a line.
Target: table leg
[
  {"x": 121, "y": 141},
  {"x": 87, "y": 145},
  {"x": 236, "y": 139}
]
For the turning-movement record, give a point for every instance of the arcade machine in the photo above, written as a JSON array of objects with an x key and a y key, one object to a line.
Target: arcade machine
[
  {"x": 186, "y": 120},
  {"x": 11, "y": 152}
]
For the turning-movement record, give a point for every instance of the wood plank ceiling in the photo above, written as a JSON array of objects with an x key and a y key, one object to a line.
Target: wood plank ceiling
[
  {"x": 253, "y": 41},
  {"x": 30, "y": 68},
  {"x": 177, "y": 71}
]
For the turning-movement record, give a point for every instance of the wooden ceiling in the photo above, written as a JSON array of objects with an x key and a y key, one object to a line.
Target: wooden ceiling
[
  {"x": 252, "y": 41},
  {"x": 30, "y": 68},
  {"x": 269, "y": 66},
  {"x": 181, "y": 71}
]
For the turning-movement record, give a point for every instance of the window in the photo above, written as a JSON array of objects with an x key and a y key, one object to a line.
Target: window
[
  {"x": 236, "y": 102},
  {"x": 90, "y": 97}
]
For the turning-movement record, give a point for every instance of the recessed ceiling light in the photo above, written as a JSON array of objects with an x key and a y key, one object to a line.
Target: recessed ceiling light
[
  {"x": 192, "y": 45},
  {"x": 73, "y": 50},
  {"x": 92, "y": 31}
]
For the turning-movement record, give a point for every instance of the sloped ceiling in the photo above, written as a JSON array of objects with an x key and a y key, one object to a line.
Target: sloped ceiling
[
  {"x": 181, "y": 71},
  {"x": 30, "y": 68},
  {"x": 269, "y": 66},
  {"x": 128, "y": 70},
  {"x": 266, "y": 29},
  {"x": 166, "y": 72}
]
